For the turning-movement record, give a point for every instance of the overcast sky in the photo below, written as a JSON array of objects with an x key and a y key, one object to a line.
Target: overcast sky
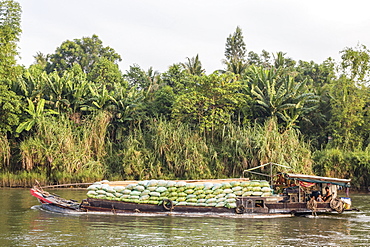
[{"x": 159, "y": 33}]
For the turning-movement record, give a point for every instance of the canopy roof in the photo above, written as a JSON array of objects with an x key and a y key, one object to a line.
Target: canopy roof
[{"x": 317, "y": 179}]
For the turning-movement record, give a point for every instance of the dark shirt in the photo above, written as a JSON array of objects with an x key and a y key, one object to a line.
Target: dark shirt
[{"x": 327, "y": 196}]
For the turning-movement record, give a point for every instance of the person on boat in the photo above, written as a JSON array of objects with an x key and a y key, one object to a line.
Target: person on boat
[
  {"x": 328, "y": 195},
  {"x": 319, "y": 198}
]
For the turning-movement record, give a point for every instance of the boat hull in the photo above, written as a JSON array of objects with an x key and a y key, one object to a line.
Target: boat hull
[{"x": 246, "y": 207}]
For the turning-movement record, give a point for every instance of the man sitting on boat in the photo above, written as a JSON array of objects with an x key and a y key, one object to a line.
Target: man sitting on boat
[{"x": 327, "y": 197}]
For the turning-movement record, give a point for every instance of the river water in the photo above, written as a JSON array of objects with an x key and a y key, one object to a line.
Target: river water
[{"x": 23, "y": 223}]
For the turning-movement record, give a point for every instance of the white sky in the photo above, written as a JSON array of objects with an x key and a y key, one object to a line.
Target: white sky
[{"x": 159, "y": 33}]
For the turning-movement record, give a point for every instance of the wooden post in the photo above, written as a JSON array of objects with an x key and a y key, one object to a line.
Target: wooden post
[{"x": 299, "y": 192}]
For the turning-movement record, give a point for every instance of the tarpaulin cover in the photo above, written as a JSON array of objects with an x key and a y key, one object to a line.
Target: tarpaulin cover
[{"x": 318, "y": 179}]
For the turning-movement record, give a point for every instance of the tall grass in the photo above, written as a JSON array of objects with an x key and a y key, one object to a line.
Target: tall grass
[
  {"x": 4, "y": 152},
  {"x": 165, "y": 150},
  {"x": 245, "y": 147},
  {"x": 67, "y": 152},
  {"x": 21, "y": 179},
  {"x": 182, "y": 152},
  {"x": 172, "y": 150},
  {"x": 287, "y": 148}
]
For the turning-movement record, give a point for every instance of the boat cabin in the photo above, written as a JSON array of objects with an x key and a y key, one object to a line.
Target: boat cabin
[{"x": 303, "y": 187}]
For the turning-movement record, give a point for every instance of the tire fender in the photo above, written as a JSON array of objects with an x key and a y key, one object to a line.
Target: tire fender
[
  {"x": 167, "y": 204},
  {"x": 240, "y": 209}
]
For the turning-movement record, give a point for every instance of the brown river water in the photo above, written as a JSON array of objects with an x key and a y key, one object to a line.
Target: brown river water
[{"x": 24, "y": 223}]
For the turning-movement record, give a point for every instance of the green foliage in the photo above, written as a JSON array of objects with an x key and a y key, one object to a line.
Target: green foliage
[
  {"x": 319, "y": 78},
  {"x": 10, "y": 30},
  {"x": 356, "y": 63},
  {"x": 281, "y": 62},
  {"x": 86, "y": 52},
  {"x": 22, "y": 179},
  {"x": 61, "y": 147},
  {"x": 348, "y": 104},
  {"x": 277, "y": 95},
  {"x": 235, "y": 49},
  {"x": 177, "y": 78},
  {"x": 193, "y": 66},
  {"x": 165, "y": 150},
  {"x": 162, "y": 102},
  {"x": 37, "y": 114},
  {"x": 85, "y": 120},
  {"x": 243, "y": 148},
  {"x": 317, "y": 75},
  {"x": 10, "y": 109},
  {"x": 346, "y": 164},
  {"x": 182, "y": 152},
  {"x": 105, "y": 72},
  {"x": 173, "y": 151},
  {"x": 210, "y": 103},
  {"x": 140, "y": 79},
  {"x": 4, "y": 152}
]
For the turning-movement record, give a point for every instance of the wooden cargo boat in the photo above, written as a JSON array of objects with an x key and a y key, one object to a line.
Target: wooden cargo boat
[{"x": 296, "y": 196}]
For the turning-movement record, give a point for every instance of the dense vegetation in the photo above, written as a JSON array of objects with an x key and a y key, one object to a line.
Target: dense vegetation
[{"x": 73, "y": 116}]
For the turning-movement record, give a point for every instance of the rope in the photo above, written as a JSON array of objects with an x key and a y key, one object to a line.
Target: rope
[{"x": 337, "y": 205}]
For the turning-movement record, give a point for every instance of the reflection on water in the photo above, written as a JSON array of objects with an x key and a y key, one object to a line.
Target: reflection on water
[{"x": 24, "y": 224}]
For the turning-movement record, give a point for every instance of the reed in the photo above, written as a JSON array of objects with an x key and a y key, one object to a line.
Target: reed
[
  {"x": 4, "y": 152},
  {"x": 171, "y": 150},
  {"x": 287, "y": 148},
  {"x": 245, "y": 147},
  {"x": 22, "y": 179},
  {"x": 164, "y": 150},
  {"x": 137, "y": 160},
  {"x": 67, "y": 152},
  {"x": 182, "y": 151},
  {"x": 95, "y": 135}
]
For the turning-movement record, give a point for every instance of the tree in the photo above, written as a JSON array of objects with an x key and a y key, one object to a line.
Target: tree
[
  {"x": 283, "y": 62},
  {"x": 349, "y": 102},
  {"x": 235, "y": 46},
  {"x": 210, "y": 103},
  {"x": 193, "y": 66},
  {"x": 10, "y": 109},
  {"x": 162, "y": 102},
  {"x": 235, "y": 52},
  {"x": 348, "y": 114},
  {"x": 41, "y": 59},
  {"x": 277, "y": 95},
  {"x": 319, "y": 79},
  {"x": 67, "y": 92},
  {"x": 254, "y": 58},
  {"x": 105, "y": 72},
  {"x": 176, "y": 77},
  {"x": 86, "y": 52},
  {"x": 140, "y": 79},
  {"x": 356, "y": 63},
  {"x": 264, "y": 59},
  {"x": 237, "y": 67},
  {"x": 10, "y": 30}
]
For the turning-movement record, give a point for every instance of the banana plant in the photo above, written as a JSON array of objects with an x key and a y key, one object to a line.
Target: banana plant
[
  {"x": 280, "y": 96},
  {"x": 37, "y": 114}
]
